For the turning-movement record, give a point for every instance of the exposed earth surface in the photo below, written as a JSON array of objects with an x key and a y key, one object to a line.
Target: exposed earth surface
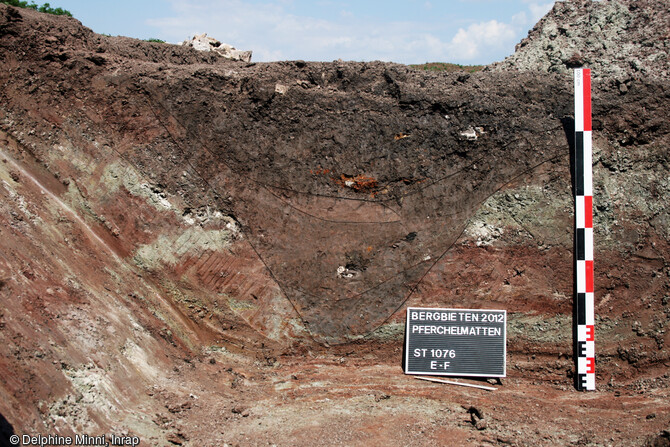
[{"x": 203, "y": 252}]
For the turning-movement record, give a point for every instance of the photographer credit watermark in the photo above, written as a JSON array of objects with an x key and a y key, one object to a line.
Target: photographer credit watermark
[{"x": 77, "y": 440}]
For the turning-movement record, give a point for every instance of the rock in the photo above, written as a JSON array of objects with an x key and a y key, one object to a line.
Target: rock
[
  {"x": 472, "y": 133},
  {"x": 381, "y": 396},
  {"x": 477, "y": 418},
  {"x": 177, "y": 438},
  {"x": 178, "y": 408},
  {"x": 606, "y": 31},
  {"x": 660, "y": 440},
  {"x": 469, "y": 134},
  {"x": 474, "y": 412},
  {"x": 202, "y": 42},
  {"x": 241, "y": 411}
]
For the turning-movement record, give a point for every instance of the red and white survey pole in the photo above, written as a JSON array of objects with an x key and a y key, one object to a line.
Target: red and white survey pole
[{"x": 584, "y": 310}]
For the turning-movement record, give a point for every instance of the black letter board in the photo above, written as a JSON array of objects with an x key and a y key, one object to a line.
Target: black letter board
[{"x": 456, "y": 342}]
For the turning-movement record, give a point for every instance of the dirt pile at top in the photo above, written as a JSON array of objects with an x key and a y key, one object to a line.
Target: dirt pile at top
[
  {"x": 623, "y": 39},
  {"x": 202, "y": 42},
  {"x": 163, "y": 207}
]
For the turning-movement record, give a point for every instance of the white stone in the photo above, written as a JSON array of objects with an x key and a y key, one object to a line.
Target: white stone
[{"x": 202, "y": 42}]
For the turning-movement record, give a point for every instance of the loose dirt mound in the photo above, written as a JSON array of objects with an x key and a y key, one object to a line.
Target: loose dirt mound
[
  {"x": 623, "y": 39},
  {"x": 185, "y": 238}
]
